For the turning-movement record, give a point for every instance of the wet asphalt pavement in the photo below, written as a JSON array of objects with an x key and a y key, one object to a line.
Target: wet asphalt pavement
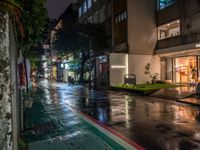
[{"x": 155, "y": 124}]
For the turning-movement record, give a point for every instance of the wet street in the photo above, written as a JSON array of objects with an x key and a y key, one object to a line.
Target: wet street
[{"x": 150, "y": 122}]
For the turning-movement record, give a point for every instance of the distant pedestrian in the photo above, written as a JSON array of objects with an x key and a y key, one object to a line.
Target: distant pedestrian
[
  {"x": 72, "y": 81},
  {"x": 69, "y": 80}
]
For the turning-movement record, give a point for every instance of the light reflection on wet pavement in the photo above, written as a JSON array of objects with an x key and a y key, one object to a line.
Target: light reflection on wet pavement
[
  {"x": 151, "y": 122},
  {"x": 50, "y": 125}
]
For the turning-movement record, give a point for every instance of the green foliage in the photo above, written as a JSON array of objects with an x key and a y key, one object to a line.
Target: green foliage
[
  {"x": 146, "y": 87},
  {"x": 30, "y": 18},
  {"x": 34, "y": 17},
  {"x": 22, "y": 145},
  {"x": 147, "y": 72},
  {"x": 74, "y": 37},
  {"x": 84, "y": 38},
  {"x": 10, "y": 6}
]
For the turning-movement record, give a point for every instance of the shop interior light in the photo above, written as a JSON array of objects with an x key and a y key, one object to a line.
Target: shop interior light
[
  {"x": 66, "y": 66},
  {"x": 62, "y": 66},
  {"x": 197, "y": 45}
]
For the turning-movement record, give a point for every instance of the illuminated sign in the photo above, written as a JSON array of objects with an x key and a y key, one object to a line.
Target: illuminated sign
[{"x": 118, "y": 67}]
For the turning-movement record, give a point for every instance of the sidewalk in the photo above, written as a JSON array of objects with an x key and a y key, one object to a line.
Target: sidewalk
[
  {"x": 184, "y": 94},
  {"x": 51, "y": 125}
]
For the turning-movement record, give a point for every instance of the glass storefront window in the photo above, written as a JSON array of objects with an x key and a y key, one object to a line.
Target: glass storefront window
[
  {"x": 185, "y": 69},
  {"x": 165, "y": 3},
  {"x": 168, "y": 30}
]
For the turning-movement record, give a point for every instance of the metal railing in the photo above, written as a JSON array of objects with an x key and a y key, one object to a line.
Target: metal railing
[{"x": 178, "y": 40}]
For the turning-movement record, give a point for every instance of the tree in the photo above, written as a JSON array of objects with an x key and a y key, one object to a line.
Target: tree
[
  {"x": 78, "y": 37},
  {"x": 30, "y": 17}
]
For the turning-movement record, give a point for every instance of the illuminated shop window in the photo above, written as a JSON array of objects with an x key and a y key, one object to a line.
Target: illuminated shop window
[
  {"x": 165, "y": 3},
  {"x": 168, "y": 30}
]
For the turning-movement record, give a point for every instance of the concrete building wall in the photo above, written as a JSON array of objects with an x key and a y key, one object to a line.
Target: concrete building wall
[
  {"x": 190, "y": 7},
  {"x": 190, "y": 25},
  {"x": 142, "y": 35},
  {"x": 5, "y": 84},
  {"x": 137, "y": 63},
  {"x": 168, "y": 14},
  {"x": 118, "y": 68}
]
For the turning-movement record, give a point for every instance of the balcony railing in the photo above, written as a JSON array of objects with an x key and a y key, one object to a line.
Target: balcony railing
[{"x": 178, "y": 40}]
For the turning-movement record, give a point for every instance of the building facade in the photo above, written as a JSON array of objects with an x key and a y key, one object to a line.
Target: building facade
[
  {"x": 178, "y": 42},
  {"x": 99, "y": 12},
  {"x": 59, "y": 65},
  {"x": 163, "y": 33},
  {"x": 134, "y": 39}
]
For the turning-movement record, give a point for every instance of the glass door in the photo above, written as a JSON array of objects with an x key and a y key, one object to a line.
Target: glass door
[{"x": 185, "y": 69}]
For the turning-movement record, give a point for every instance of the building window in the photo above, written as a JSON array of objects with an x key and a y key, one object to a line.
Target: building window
[
  {"x": 79, "y": 12},
  {"x": 165, "y": 3},
  {"x": 169, "y": 30},
  {"x": 90, "y": 19},
  {"x": 121, "y": 17},
  {"x": 125, "y": 15},
  {"x": 89, "y": 4},
  {"x": 96, "y": 17},
  {"x": 185, "y": 69},
  {"x": 109, "y": 10},
  {"x": 121, "y": 47},
  {"x": 84, "y": 6},
  {"x": 103, "y": 14}
]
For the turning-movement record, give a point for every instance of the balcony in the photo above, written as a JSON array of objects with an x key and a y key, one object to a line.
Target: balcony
[
  {"x": 178, "y": 40},
  {"x": 168, "y": 14}
]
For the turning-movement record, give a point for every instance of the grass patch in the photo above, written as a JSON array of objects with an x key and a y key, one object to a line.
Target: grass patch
[
  {"x": 23, "y": 145},
  {"x": 145, "y": 87}
]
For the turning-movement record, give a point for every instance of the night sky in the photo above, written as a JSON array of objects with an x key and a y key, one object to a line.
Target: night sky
[{"x": 57, "y": 7}]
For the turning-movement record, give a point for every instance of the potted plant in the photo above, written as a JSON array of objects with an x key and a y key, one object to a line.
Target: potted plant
[{"x": 154, "y": 77}]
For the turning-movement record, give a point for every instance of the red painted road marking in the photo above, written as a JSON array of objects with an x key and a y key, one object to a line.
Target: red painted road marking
[{"x": 132, "y": 143}]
